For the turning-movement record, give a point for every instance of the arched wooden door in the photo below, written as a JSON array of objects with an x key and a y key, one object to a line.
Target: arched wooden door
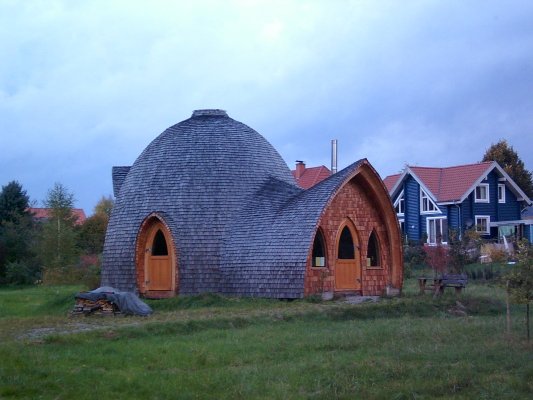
[
  {"x": 158, "y": 259},
  {"x": 348, "y": 260}
]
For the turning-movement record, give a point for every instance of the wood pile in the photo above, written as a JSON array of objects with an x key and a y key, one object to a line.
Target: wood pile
[{"x": 98, "y": 307}]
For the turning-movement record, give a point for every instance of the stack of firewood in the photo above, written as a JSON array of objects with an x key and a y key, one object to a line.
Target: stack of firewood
[{"x": 101, "y": 307}]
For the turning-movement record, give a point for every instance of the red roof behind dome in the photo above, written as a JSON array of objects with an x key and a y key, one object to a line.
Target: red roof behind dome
[
  {"x": 311, "y": 176},
  {"x": 45, "y": 213},
  {"x": 446, "y": 184}
]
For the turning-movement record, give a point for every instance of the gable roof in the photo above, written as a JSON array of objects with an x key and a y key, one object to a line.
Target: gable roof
[
  {"x": 452, "y": 184},
  {"x": 311, "y": 176},
  {"x": 391, "y": 180},
  {"x": 45, "y": 213}
]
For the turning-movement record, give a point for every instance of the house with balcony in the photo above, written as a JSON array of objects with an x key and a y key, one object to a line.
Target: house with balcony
[{"x": 431, "y": 201}]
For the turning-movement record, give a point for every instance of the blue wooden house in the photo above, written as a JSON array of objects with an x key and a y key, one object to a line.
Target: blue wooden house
[
  {"x": 527, "y": 216},
  {"x": 431, "y": 201}
]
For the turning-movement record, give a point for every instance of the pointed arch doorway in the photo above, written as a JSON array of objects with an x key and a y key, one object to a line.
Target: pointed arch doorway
[
  {"x": 156, "y": 260},
  {"x": 348, "y": 259}
]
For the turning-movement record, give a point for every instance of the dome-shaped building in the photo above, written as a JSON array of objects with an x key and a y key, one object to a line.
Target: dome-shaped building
[{"x": 210, "y": 206}]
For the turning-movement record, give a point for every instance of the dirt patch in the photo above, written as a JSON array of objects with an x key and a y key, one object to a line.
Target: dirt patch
[
  {"x": 67, "y": 329},
  {"x": 361, "y": 299}
]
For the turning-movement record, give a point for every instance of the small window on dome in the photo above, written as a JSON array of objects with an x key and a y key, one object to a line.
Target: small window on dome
[{"x": 159, "y": 246}]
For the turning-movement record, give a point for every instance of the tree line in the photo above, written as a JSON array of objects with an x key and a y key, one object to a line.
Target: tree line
[{"x": 57, "y": 249}]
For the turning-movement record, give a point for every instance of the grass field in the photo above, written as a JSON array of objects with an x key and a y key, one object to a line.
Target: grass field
[{"x": 211, "y": 347}]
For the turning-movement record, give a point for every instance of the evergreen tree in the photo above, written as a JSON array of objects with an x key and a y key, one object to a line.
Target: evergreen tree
[
  {"x": 58, "y": 241},
  {"x": 508, "y": 159},
  {"x": 17, "y": 238},
  {"x": 14, "y": 202},
  {"x": 60, "y": 202}
]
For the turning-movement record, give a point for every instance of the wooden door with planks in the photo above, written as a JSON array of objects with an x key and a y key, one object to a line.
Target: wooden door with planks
[
  {"x": 158, "y": 262},
  {"x": 348, "y": 260}
]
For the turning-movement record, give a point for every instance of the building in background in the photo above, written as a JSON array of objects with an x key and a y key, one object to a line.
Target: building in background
[
  {"x": 43, "y": 214},
  {"x": 430, "y": 201}
]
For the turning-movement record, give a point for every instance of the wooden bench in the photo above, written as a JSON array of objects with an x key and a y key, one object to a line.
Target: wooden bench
[
  {"x": 423, "y": 284},
  {"x": 438, "y": 284}
]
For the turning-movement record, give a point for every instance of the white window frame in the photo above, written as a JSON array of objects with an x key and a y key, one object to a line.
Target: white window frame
[
  {"x": 430, "y": 202},
  {"x": 400, "y": 203},
  {"x": 435, "y": 219},
  {"x": 501, "y": 193},
  {"x": 487, "y": 219},
  {"x": 487, "y": 193},
  {"x": 401, "y": 223}
]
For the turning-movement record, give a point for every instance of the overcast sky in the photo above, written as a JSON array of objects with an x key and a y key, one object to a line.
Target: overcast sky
[{"x": 86, "y": 85}]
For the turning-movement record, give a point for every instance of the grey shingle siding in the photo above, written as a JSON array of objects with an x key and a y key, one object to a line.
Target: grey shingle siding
[
  {"x": 238, "y": 220},
  {"x": 118, "y": 174}
]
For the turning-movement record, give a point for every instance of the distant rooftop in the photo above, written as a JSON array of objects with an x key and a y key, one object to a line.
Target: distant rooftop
[
  {"x": 309, "y": 177},
  {"x": 448, "y": 183},
  {"x": 45, "y": 213}
]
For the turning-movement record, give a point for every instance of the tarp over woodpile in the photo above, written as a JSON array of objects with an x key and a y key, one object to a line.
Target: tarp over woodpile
[{"x": 126, "y": 302}]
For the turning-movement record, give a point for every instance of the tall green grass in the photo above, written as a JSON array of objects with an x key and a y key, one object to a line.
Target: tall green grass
[
  {"x": 224, "y": 348},
  {"x": 261, "y": 358},
  {"x": 32, "y": 301}
]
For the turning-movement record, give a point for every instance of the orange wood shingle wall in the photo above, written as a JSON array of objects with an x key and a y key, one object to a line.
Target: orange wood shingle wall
[{"x": 357, "y": 201}]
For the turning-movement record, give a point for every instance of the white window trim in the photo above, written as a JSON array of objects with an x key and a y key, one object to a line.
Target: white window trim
[
  {"x": 487, "y": 217},
  {"x": 437, "y": 209},
  {"x": 427, "y": 229},
  {"x": 486, "y": 200},
  {"x": 501, "y": 186},
  {"x": 400, "y": 198}
]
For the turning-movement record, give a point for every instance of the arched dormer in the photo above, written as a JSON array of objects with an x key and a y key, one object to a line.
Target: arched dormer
[
  {"x": 362, "y": 199},
  {"x": 369, "y": 179}
]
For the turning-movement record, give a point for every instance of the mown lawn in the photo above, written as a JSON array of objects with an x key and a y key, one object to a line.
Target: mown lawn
[{"x": 212, "y": 347}]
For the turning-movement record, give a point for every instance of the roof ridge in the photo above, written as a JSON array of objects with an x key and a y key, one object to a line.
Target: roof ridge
[
  {"x": 419, "y": 166},
  {"x": 453, "y": 166}
]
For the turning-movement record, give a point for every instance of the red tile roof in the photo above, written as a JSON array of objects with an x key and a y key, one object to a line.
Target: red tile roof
[
  {"x": 446, "y": 184},
  {"x": 451, "y": 183},
  {"x": 391, "y": 180},
  {"x": 309, "y": 177},
  {"x": 44, "y": 213}
]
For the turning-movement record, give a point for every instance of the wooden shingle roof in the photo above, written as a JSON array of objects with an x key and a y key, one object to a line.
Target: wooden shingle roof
[
  {"x": 240, "y": 223},
  {"x": 118, "y": 174},
  {"x": 198, "y": 174}
]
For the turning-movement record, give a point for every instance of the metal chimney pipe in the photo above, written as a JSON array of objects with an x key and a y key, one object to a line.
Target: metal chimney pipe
[{"x": 334, "y": 156}]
